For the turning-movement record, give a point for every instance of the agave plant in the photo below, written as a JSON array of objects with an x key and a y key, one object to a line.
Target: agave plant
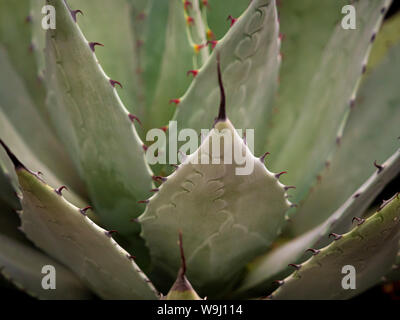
[{"x": 74, "y": 177}]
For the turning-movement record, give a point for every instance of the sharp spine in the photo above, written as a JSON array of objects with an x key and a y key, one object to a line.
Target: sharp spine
[{"x": 60, "y": 189}]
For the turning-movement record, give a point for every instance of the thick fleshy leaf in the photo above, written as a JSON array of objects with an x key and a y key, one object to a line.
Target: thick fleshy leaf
[
  {"x": 227, "y": 217},
  {"x": 197, "y": 31},
  {"x": 38, "y": 34},
  {"x": 109, "y": 23},
  {"x": 23, "y": 151},
  {"x": 250, "y": 57},
  {"x": 16, "y": 39},
  {"x": 371, "y": 135},
  {"x": 22, "y": 265},
  {"x": 95, "y": 125},
  {"x": 167, "y": 57},
  {"x": 369, "y": 249},
  {"x": 182, "y": 289},
  {"x": 306, "y": 27},
  {"x": 20, "y": 262},
  {"x": 26, "y": 110},
  {"x": 274, "y": 264},
  {"x": 304, "y": 149},
  {"x": 67, "y": 234}
]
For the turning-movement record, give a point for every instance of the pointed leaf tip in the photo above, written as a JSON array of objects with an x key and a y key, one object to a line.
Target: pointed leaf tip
[
  {"x": 182, "y": 289},
  {"x": 17, "y": 164},
  {"x": 222, "y": 105},
  {"x": 183, "y": 260}
]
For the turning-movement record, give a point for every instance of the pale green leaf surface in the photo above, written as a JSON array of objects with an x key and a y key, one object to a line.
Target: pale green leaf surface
[
  {"x": 22, "y": 265},
  {"x": 306, "y": 27},
  {"x": 167, "y": 57},
  {"x": 20, "y": 262},
  {"x": 226, "y": 219},
  {"x": 196, "y": 29},
  {"x": 371, "y": 248},
  {"x": 26, "y": 110},
  {"x": 23, "y": 151},
  {"x": 109, "y": 23},
  {"x": 371, "y": 134},
  {"x": 61, "y": 230},
  {"x": 16, "y": 38},
  {"x": 311, "y": 139},
  {"x": 249, "y": 58},
  {"x": 95, "y": 126},
  {"x": 274, "y": 264},
  {"x": 38, "y": 33}
]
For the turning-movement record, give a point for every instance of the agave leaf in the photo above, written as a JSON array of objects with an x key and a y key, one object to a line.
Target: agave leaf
[
  {"x": 209, "y": 204},
  {"x": 326, "y": 104},
  {"x": 22, "y": 264},
  {"x": 11, "y": 137},
  {"x": 26, "y": 110},
  {"x": 95, "y": 125},
  {"x": 166, "y": 59},
  {"x": 108, "y": 23},
  {"x": 249, "y": 54},
  {"x": 274, "y": 264},
  {"x": 182, "y": 289},
  {"x": 301, "y": 22},
  {"x": 16, "y": 38},
  {"x": 197, "y": 31},
  {"x": 38, "y": 34},
  {"x": 371, "y": 135},
  {"x": 67, "y": 234},
  {"x": 371, "y": 248}
]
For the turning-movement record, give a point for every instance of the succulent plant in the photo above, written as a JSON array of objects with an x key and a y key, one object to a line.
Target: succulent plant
[{"x": 77, "y": 193}]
